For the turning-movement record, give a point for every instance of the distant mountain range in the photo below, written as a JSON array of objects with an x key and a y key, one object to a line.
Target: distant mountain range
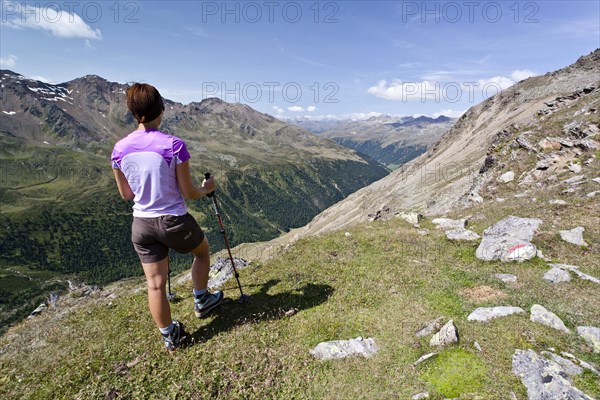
[
  {"x": 61, "y": 215},
  {"x": 392, "y": 141}
]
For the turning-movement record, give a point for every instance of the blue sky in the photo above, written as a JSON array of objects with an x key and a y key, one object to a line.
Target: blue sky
[{"x": 303, "y": 58}]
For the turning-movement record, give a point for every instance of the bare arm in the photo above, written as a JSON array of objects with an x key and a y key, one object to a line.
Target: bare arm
[
  {"x": 124, "y": 188},
  {"x": 186, "y": 186}
]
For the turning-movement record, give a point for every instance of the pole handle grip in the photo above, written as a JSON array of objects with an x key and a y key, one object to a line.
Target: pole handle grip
[{"x": 207, "y": 177}]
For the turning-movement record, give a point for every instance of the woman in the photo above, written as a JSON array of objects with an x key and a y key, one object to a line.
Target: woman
[{"x": 152, "y": 169}]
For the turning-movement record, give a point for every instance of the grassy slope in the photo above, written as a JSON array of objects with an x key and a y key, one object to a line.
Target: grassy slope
[{"x": 384, "y": 281}]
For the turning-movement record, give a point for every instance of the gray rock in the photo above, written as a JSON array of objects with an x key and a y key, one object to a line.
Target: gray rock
[
  {"x": 478, "y": 347},
  {"x": 500, "y": 200},
  {"x": 549, "y": 144},
  {"x": 597, "y": 180},
  {"x": 557, "y": 275},
  {"x": 576, "y": 168},
  {"x": 462, "y": 234},
  {"x": 42, "y": 307},
  {"x": 576, "y": 271},
  {"x": 221, "y": 271},
  {"x": 337, "y": 349},
  {"x": 524, "y": 142},
  {"x": 431, "y": 327},
  {"x": 590, "y": 334},
  {"x": 544, "y": 379},
  {"x": 592, "y": 194},
  {"x": 583, "y": 364},
  {"x": 447, "y": 335},
  {"x": 575, "y": 180},
  {"x": 412, "y": 218},
  {"x": 475, "y": 198},
  {"x": 506, "y": 177},
  {"x": 506, "y": 278},
  {"x": 558, "y": 202},
  {"x": 545, "y": 317},
  {"x": 485, "y": 314},
  {"x": 449, "y": 224},
  {"x": 424, "y": 358},
  {"x": 509, "y": 240},
  {"x": 419, "y": 396},
  {"x": 569, "y": 366},
  {"x": 423, "y": 232},
  {"x": 574, "y": 236}
]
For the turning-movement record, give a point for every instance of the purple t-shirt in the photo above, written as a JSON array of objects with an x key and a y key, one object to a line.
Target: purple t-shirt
[{"x": 148, "y": 160}]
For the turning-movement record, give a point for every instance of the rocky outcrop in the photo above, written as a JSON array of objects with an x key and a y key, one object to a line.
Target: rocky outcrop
[{"x": 591, "y": 335}]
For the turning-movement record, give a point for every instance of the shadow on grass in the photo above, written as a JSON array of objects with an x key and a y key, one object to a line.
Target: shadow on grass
[{"x": 261, "y": 307}]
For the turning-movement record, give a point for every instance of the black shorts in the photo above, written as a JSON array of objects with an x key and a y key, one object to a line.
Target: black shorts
[{"x": 152, "y": 237}]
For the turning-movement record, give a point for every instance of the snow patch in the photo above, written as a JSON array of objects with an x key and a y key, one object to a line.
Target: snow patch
[{"x": 9, "y": 112}]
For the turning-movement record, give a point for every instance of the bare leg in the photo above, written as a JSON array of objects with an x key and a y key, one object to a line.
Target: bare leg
[
  {"x": 156, "y": 277},
  {"x": 201, "y": 265}
]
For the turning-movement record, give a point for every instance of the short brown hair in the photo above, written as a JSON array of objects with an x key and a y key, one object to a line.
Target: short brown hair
[{"x": 144, "y": 102}]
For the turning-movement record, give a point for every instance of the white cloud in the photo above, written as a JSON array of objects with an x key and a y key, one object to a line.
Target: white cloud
[
  {"x": 520, "y": 74},
  {"x": 406, "y": 91},
  {"x": 501, "y": 82},
  {"x": 449, "y": 113},
  {"x": 311, "y": 108},
  {"x": 8, "y": 62},
  {"x": 58, "y": 23},
  {"x": 444, "y": 89},
  {"x": 278, "y": 110},
  {"x": 295, "y": 109}
]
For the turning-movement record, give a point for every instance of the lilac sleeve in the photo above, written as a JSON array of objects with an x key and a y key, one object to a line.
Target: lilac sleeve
[
  {"x": 116, "y": 158},
  {"x": 180, "y": 150}
]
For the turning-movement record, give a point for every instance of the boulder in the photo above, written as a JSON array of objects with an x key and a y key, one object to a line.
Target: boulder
[
  {"x": 462, "y": 234},
  {"x": 544, "y": 379},
  {"x": 574, "y": 167},
  {"x": 509, "y": 240},
  {"x": 412, "y": 218},
  {"x": 576, "y": 271},
  {"x": 431, "y": 327},
  {"x": 506, "y": 177},
  {"x": 575, "y": 180},
  {"x": 591, "y": 335},
  {"x": 549, "y": 144},
  {"x": 574, "y": 236},
  {"x": 558, "y": 202},
  {"x": 221, "y": 271},
  {"x": 486, "y": 314},
  {"x": 337, "y": 349},
  {"x": 543, "y": 316},
  {"x": 447, "y": 335},
  {"x": 557, "y": 275}
]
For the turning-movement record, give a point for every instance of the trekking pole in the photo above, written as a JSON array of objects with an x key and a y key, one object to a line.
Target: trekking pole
[
  {"x": 243, "y": 298},
  {"x": 170, "y": 296}
]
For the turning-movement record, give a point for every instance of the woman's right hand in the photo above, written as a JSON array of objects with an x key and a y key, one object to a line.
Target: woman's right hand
[{"x": 209, "y": 185}]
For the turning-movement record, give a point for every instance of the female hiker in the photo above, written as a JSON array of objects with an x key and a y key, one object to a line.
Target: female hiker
[{"x": 152, "y": 169}]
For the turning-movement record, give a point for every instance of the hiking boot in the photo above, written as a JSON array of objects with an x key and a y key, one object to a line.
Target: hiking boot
[
  {"x": 204, "y": 304},
  {"x": 173, "y": 339}
]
